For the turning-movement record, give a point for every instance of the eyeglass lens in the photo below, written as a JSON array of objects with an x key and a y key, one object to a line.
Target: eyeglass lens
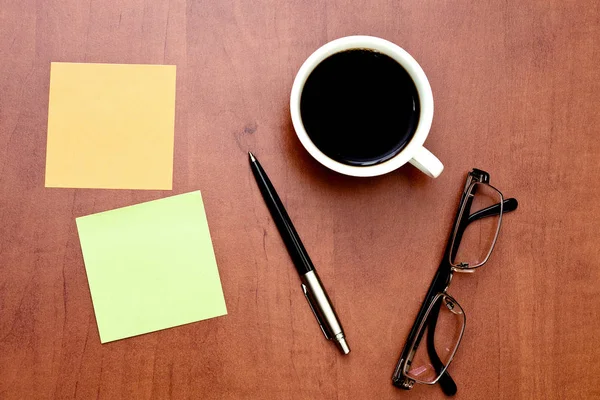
[
  {"x": 476, "y": 240},
  {"x": 446, "y": 319}
]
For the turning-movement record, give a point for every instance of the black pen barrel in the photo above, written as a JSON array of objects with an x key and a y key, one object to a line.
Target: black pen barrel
[{"x": 282, "y": 220}]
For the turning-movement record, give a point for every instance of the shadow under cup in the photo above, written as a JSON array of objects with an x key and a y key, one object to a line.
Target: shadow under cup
[{"x": 360, "y": 107}]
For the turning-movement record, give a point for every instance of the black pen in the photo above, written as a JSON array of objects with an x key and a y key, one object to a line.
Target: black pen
[{"x": 311, "y": 284}]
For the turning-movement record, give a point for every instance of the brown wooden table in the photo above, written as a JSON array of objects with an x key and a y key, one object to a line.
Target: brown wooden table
[{"x": 517, "y": 91}]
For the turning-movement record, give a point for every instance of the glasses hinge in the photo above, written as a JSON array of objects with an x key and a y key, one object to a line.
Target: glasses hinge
[{"x": 464, "y": 268}]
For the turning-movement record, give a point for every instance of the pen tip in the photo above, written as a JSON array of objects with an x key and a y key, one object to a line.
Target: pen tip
[
  {"x": 343, "y": 346},
  {"x": 251, "y": 156}
]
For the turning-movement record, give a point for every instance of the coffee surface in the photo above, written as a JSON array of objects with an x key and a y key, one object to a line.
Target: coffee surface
[{"x": 360, "y": 107}]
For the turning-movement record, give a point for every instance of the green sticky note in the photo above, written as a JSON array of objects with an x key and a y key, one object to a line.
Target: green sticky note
[{"x": 151, "y": 266}]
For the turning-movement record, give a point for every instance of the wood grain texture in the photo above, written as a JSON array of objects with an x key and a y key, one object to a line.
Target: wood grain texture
[{"x": 516, "y": 87}]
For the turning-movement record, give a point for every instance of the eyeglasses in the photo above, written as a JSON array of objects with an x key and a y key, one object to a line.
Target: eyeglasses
[{"x": 441, "y": 319}]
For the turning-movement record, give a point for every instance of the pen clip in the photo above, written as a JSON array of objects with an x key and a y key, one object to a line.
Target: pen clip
[{"x": 305, "y": 290}]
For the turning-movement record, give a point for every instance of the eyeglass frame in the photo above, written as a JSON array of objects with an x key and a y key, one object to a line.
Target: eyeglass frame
[{"x": 441, "y": 281}]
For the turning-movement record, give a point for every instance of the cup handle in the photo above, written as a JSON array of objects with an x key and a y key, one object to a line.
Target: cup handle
[{"x": 427, "y": 162}]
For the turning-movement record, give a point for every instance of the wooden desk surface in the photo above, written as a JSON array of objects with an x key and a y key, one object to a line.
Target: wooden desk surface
[{"x": 516, "y": 87}]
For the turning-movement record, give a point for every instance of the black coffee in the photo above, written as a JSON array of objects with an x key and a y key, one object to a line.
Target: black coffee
[{"x": 360, "y": 107}]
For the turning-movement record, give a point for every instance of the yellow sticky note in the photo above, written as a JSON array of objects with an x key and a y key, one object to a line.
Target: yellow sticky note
[
  {"x": 151, "y": 266},
  {"x": 110, "y": 126}
]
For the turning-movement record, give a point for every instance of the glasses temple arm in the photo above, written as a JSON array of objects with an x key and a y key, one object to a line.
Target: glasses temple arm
[{"x": 507, "y": 206}]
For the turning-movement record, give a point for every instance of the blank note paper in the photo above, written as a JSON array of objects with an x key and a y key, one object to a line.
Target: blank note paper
[
  {"x": 151, "y": 266},
  {"x": 110, "y": 126}
]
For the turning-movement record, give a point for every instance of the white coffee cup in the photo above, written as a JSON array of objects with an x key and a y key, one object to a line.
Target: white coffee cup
[{"x": 414, "y": 152}]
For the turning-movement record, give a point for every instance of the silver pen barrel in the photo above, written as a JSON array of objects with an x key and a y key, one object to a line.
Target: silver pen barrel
[{"x": 323, "y": 310}]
